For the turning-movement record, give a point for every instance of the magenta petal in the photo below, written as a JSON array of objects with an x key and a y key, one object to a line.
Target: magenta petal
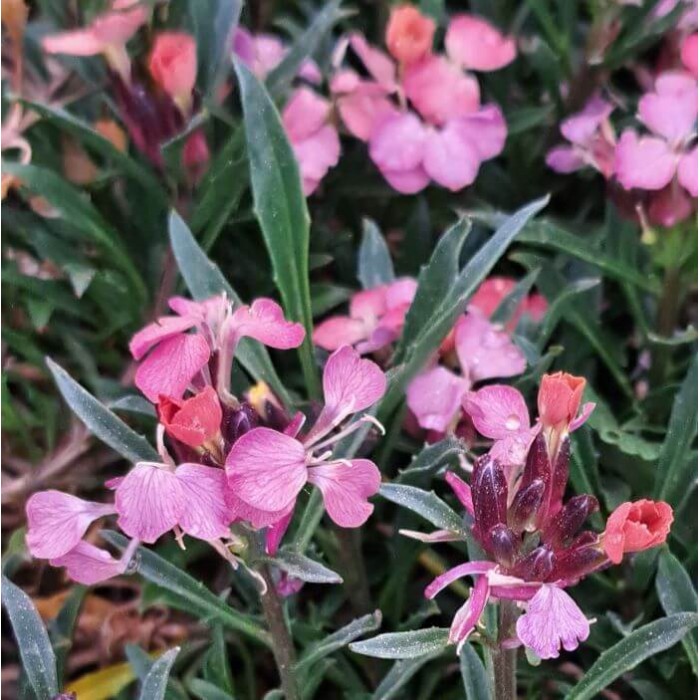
[
  {"x": 316, "y": 155},
  {"x": 486, "y": 130},
  {"x": 469, "y": 614},
  {"x": 377, "y": 63},
  {"x": 450, "y": 158},
  {"x": 206, "y": 513},
  {"x": 434, "y": 398},
  {"x": 170, "y": 367},
  {"x": 275, "y": 534},
  {"x": 345, "y": 488},
  {"x": 397, "y": 145},
  {"x": 471, "y": 568},
  {"x": 264, "y": 321},
  {"x": 57, "y": 521},
  {"x": 258, "y": 518},
  {"x": 475, "y": 44},
  {"x": 337, "y": 331},
  {"x": 304, "y": 114},
  {"x": 646, "y": 163},
  {"x": 553, "y": 620},
  {"x": 158, "y": 331},
  {"x": 362, "y": 109},
  {"x": 407, "y": 181},
  {"x": 89, "y": 565},
  {"x": 150, "y": 501},
  {"x": 580, "y": 128},
  {"x": 672, "y": 109},
  {"x": 688, "y": 172},
  {"x": 497, "y": 411},
  {"x": 564, "y": 159},
  {"x": 585, "y": 414},
  {"x": 266, "y": 469},
  {"x": 512, "y": 451},
  {"x": 370, "y": 304},
  {"x": 462, "y": 490},
  {"x": 79, "y": 42},
  {"x": 350, "y": 383}
]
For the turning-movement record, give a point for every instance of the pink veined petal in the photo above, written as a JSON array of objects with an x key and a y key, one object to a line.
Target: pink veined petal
[
  {"x": 276, "y": 532},
  {"x": 210, "y": 311},
  {"x": 258, "y": 518},
  {"x": 317, "y": 154},
  {"x": 647, "y": 162},
  {"x": 497, "y": 411},
  {"x": 450, "y": 158},
  {"x": 475, "y": 44},
  {"x": 304, "y": 114},
  {"x": 79, "y": 42},
  {"x": 158, "y": 331},
  {"x": 57, "y": 522},
  {"x": 377, "y": 63},
  {"x": 363, "y": 109},
  {"x": 116, "y": 28},
  {"x": 471, "y": 568},
  {"x": 206, "y": 514},
  {"x": 552, "y": 621},
  {"x": 170, "y": 367},
  {"x": 462, "y": 490},
  {"x": 264, "y": 321},
  {"x": 89, "y": 565},
  {"x": 484, "y": 350},
  {"x": 580, "y": 128},
  {"x": 564, "y": 159},
  {"x": 337, "y": 331},
  {"x": 150, "y": 501},
  {"x": 585, "y": 414},
  {"x": 406, "y": 181},
  {"x": 512, "y": 451},
  {"x": 671, "y": 115},
  {"x": 370, "y": 304},
  {"x": 469, "y": 614},
  {"x": 266, "y": 469},
  {"x": 439, "y": 90},
  {"x": 434, "y": 397},
  {"x": 486, "y": 129},
  {"x": 346, "y": 488},
  {"x": 398, "y": 144},
  {"x": 688, "y": 172}
]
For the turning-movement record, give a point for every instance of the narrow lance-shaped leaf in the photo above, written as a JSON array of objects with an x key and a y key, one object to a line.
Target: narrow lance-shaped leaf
[
  {"x": 474, "y": 676},
  {"x": 156, "y": 680},
  {"x": 403, "y": 645},
  {"x": 38, "y": 659},
  {"x": 104, "y": 424},
  {"x": 401, "y": 673},
  {"x": 204, "y": 279},
  {"x": 280, "y": 208},
  {"x": 374, "y": 266},
  {"x": 304, "y": 568},
  {"x": 644, "y": 642}
]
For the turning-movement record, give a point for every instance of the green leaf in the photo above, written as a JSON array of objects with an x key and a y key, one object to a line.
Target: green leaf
[
  {"x": 189, "y": 594},
  {"x": 280, "y": 208},
  {"x": 101, "y": 422},
  {"x": 282, "y": 75},
  {"x": 374, "y": 265},
  {"x": 216, "y": 666},
  {"x": 61, "y": 630},
  {"x": 338, "y": 640},
  {"x": 432, "y": 457},
  {"x": 676, "y": 468},
  {"x": 677, "y": 594},
  {"x": 474, "y": 676},
  {"x": 208, "y": 691},
  {"x": 426, "y": 504},
  {"x": 38, "y": 659},
  {"x": 404, "y": 645},
  {"x": 431, "y": 330},
  {"x": 156, "y": 680},
  {"x": 401, "y": 673},
  {"x": 304, "y": 568},
  {"x": 204, "y": 279},
  {"x": 507, "y": 308},
  {"x": 628, "y": 653}
]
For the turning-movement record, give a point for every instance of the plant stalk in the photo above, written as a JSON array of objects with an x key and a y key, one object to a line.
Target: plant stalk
[
  {"x": 505, "y": 660},
  {"x": 282, "y": 644},
  {"x": 666, "y": 322},
  {"x": 353, "y": 569}
]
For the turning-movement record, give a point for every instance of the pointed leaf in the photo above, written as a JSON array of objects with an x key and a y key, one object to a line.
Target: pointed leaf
[
  {"x": 474, "y": 676},
  {"x": 404, "y": 645},
  {"x": 156, "y": 680},
  {"x": 304, "y": 568},
  {"x": 401, "y": 673},
  {"x": 374, "y": 265}
]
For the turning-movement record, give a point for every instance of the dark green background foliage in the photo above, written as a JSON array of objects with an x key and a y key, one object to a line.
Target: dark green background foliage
[{"x": 621, "y": 313}]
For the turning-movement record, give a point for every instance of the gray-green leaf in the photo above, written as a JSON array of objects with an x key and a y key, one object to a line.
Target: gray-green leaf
[
  {"x": 404, "y": 645},
  {"x": 156, "y": 679},
  {"x": 374, "y": 265}
]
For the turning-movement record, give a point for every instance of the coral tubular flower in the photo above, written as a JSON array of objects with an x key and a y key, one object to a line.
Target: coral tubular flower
[
  {"x": 409, "y": 34},
  {"x": 173, "y": 66}
]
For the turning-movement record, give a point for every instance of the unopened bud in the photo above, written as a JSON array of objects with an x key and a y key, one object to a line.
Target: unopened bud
[
  {"x": 536, "y": 566},
  {"x": 527, "y": 501},
  {"x": 570, "y": 519},
  {"x": 572, "y": 564},
  {"x": 490, "y": 496},
  {"x": 504, "y": 545}
]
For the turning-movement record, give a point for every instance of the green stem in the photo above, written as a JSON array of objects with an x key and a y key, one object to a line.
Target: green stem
[
  {"x": 353, "y": 569},
  {"x": 505, "y": 660},
  {"x": 666, "y": 321}
]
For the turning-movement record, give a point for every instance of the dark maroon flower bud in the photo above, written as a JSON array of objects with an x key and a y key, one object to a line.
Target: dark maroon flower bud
[
  {"x": 572, "y": 564},
  {"x": 237, "y": 422},
  {"x": 525, "y": 505},
  {"x": 560, "y": 476},
  {"x": 585, "y": 538},
  {"x": 569, "y": 520},
  {"x": 536, "y": 566},
  {"x": 504, "y": 545},
  {"x": 538, "y": 466},
  {"x": 490, "y": 496}
]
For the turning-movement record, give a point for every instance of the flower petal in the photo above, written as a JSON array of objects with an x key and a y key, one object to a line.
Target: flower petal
[
  {"x": 451, "y": 159},
  {"x": 264, "y": 321},
  {"x": 462, "y": 490},
  {"x": 581, "y": 127},
  {"x": 647, "y": 162},
  {"x": 158, "y": 331},
  {"x": 346, "y": 488},
  {"x": 553, "y": 620},
  {"x": 79, "y": 42},
  {"x": 194, "y": 422},
  {"x": 672, "y": 109},
  {"x": 150, "y": 501},
  {"x": 434, "y": 397},
  {"x": 57, "y": 521},
  {"x": 266, "y": 469},
  {"x": 89, "y": 565},
  {"x": 398, "y": 143},
  {"x": 206, "y": 513},
  {"x": 688, "y": 172},
  {"x": 564, "y": 159},
  {"x": 471, "y": 568},
  {"x": 170, "y": 367},
  {"x": 304, "y": 114},
  {"x": 337, "y": 331},
  {"x": 475, "y": 44},
  {"x": 377, "y": 63},
  {"x": 469, "y": 614},
  {"x": 497, "y": 411}
]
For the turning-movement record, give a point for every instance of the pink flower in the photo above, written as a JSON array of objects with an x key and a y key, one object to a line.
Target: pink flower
[
  {"x": 107, "y": 34},
  {"x": 651, "y": 162},
  {"x": 591, "y": 137},
  {"x": 375, "y": 321},
  {"x": 193, "y": 421},
  {"x": 267, "y": 469},
  {"x": 306, "y": 119},
  {"x": 552, "y": 621},
  {"x": 495, "y": 289},
  {"x": 173, "y": 66},
  {"x": 89, "y": 565},
  {"x": 435, "y": 398},
  {"x": 409, "y": 34},
  {"x": 171, "y": 358},
  {"x": 474, "y": 44},
  {"x": 689, "y": 54}
]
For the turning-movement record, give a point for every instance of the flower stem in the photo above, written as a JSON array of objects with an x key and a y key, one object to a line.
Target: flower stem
[
  {"x": 353, "y": 569},
  {"x": 666, "y": 321},
  {"x": 505, "y": 660},
  {"x": 282, "y": 644}
]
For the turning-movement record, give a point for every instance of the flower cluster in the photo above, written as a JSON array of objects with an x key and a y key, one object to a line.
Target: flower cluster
[
  {"x": 533, "y": 539},
  {"x": 223, "y": 461}
]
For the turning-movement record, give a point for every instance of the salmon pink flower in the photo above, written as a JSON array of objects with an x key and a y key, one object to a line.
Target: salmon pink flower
[
  {"x": 173, "y": 66},
  {"x": 409, "y": 34},
  {"x": 689, "y": 54},
  {"x": 634, "y": 527},
  {"x": 475, "y": 44},
  {"x": 267, "y": 469},
  {"x": 193, "y": 421},
  {"x": 495, "y": 289}
]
